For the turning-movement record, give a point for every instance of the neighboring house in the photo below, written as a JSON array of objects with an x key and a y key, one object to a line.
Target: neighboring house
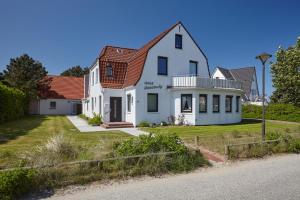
[
  {"x": 246, "y": 75},
  {"x": 166, "y": 79},
  {"x": 62, "y": 98}
]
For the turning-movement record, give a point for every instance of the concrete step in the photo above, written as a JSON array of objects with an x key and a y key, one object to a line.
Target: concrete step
[{"x": 117, "y": 125}]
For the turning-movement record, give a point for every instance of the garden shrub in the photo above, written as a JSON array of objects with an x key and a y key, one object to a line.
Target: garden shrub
[
  {"x": 294, "y": 146},
  {"x": 183, "y": 159},
  {"x": 96, "y": 120},
  {"x": 144, "y": 124},
  {"x": 12, "y": 103},
  {"x": 284, "y": 112},
  {"x": 83, "y": 116},
  {"x": 15, "y": 183}
]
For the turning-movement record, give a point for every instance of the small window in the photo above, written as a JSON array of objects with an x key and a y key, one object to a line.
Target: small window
[
  {"x": 178, "y": 41},
  {"x": 152, "y": 102},
  {"x": 216, "y": 103},
  {"x": 93, "y": 78},
  {"x": 202, "y": 103},
  {"x": 87, "y": 106},
  {"x": 228, "y": 104},
  {"x": 100, "y": 105},
  {"x": 162, "y": 65},
  {"x": 186, "y": 103},
  {"x": 92, "y": 103},
  {"x": 52, "y": 105},
  {"x": 109, "y": 71},
  {"x": 193, "y": 68},
  {"x": 97, "y": 75},
  {"x": 128, "y": 102},
  {"x": 237, "y": 104}
]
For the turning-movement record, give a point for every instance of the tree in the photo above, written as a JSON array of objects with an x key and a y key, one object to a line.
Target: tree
[
  {"x": 76, "y": 71},
  {"x": 286, "y": 75},
  {"x": 27, "y": 75}
]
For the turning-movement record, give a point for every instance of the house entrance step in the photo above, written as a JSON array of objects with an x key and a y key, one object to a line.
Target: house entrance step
[{"x": 117, "y": 125}]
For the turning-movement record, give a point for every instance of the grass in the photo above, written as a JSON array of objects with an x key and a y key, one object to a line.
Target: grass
[
  {"x": 17, "y": 137},
  {"x": 214, "y": 137}
]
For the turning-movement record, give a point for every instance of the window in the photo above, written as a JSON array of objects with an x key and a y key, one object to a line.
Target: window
[
  {"x": 203, "y": 103},
  {"x": 97, "y": 75},
  {"x": 237, "y": 104},
  {"x": 109, "y": 71},
  {"x": 216, "y": 103},
  {"x": 87, "y": 105},
  {"x": 152, "y": 102},
  {"x": 186, "y": 103},
  {"x": 93, "y": 78},
  {"x": 162, "y": 65},
  {"x": 178, "y": 41},
  {"x": 92, "y": 103},
  {"x": 100, "y": 105},
  {"x": 228, "y": 103},
  {"x": 128, "y": 102},
  {"x": 52, "y": 105},
  {"x": 193, "y": 68}
]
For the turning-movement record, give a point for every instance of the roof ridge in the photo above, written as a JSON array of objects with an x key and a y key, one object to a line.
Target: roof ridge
[
  {"x": 121, "y": 47},
  {"x": 243, "y": 68}
]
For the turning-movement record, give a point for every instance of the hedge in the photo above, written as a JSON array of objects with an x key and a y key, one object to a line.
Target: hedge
[
  {"x": 12, "y": 103},
  {"x": 284, "y": 112}
]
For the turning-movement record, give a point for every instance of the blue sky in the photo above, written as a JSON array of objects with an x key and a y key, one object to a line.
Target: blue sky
[{"x": 61, "y": 34}]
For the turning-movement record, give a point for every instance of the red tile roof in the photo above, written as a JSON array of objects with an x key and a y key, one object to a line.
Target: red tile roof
[
  {"x": 128, "y": 73},
  {"x": 63, "y": 87}
]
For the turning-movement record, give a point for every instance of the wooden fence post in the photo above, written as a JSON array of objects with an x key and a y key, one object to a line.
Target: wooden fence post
[
  {"x": 196, "y": 141},
  {"x": 227, "y": 151}
]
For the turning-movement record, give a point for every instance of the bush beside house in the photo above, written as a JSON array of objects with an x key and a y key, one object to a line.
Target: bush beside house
[
  {"x": 12, "y": 103},
  {"x": 284, "y": 112}
]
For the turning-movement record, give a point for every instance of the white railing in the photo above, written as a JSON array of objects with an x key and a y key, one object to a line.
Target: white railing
[{"x": 200, "y": 82}]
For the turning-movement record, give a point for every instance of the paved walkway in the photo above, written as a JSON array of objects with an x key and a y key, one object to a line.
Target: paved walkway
[
  {"x": 275, "y": 178},
  {"x": 83, "y": 126}
]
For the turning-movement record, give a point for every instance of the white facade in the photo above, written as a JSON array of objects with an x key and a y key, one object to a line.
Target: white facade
[
  {"x": 57, "y": 106},
  {"x": 218, "y": 74},
  {"x": 169, "y": 97}
]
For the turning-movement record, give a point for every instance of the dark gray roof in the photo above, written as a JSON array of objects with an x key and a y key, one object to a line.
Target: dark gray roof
[
  {"x": 244, "y": 75},
  {"x": 226, "y": 73}
]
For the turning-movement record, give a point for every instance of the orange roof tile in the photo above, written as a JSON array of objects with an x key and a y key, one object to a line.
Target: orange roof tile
[{"x": 63, "y": 87}]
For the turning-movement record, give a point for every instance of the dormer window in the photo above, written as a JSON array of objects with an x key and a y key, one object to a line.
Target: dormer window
[
  {"x": 178, "y": 41},
  {"x": 109, "y": 71}
]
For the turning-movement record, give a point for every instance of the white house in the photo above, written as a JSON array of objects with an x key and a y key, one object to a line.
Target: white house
[
  {"x": 247, "y": 76},
  {"x": 62, "y": 97},
  {"x": 166, "y": 79}
]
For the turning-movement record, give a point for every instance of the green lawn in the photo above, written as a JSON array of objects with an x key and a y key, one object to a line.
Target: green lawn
[
  {"x": 215, "y": 137},
  {"x": 23, "y": 135}
]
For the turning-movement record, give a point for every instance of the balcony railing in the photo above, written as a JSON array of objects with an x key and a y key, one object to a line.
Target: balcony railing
[{"x": 199, "y": 82}]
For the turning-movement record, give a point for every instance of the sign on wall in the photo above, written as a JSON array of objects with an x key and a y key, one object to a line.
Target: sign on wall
[{"x": 148, "y": 85}]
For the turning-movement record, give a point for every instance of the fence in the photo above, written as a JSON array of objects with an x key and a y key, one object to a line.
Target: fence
[{"x": 93, "y": 162}]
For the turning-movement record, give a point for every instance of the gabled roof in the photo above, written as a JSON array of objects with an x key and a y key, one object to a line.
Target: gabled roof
[
  {"x": 226, "y": 73},
  {"x": 244, "y": 75},
  {"x": 128, "y": 64},
  {"x": 63, "y": 87}
]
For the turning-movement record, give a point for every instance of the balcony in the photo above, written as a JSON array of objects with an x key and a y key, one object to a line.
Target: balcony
[{"x": 199, "y": 82}]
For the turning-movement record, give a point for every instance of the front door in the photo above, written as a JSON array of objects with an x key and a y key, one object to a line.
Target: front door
[{"x": 115, "y": 109}]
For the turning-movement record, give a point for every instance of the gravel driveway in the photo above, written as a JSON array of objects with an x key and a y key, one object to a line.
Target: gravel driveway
[{"x": 272, "y": 178}]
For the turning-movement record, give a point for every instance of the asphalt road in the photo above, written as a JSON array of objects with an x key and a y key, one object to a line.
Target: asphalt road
[{"x": 272, "y": 178}]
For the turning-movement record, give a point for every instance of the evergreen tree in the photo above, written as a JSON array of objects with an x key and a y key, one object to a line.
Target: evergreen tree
[
  {"x": 76, "y": 71},
  {"x": 27, "y": 75}
]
